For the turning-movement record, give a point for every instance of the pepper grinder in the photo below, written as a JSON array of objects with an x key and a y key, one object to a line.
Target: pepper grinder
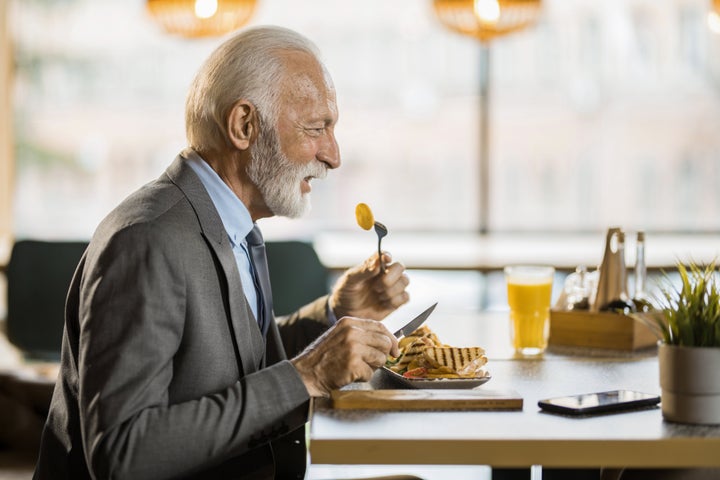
[{"x": 612, "y": 284}]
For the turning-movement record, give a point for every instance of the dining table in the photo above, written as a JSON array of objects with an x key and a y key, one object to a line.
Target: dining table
[{"x": 522, "y": 437}]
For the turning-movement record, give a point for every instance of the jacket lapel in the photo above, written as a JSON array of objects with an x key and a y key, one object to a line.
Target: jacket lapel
[{"x": 249, "y": 343}]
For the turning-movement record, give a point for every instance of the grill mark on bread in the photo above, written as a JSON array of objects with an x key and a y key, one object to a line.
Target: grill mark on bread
[
  {"x": 453, "y": 357},
  {"x": 411, "y": 352}
]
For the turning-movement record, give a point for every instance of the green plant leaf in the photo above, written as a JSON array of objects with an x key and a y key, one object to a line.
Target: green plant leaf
[{"x": 691, "y": 311}]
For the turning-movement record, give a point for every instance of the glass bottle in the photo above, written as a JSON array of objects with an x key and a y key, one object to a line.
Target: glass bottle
[{"x": 640, "y": 297}]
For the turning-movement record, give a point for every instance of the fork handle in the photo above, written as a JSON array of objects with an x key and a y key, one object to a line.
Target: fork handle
[{"x": 380, "y": 256}]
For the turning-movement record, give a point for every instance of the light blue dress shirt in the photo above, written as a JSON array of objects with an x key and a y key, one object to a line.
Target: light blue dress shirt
[
  {"x": 237, "y": 222},
  {"x": 235, "y": 218}
]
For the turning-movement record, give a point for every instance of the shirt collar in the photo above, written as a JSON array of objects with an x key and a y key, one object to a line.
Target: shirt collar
[{"x": 233, "y": 213}]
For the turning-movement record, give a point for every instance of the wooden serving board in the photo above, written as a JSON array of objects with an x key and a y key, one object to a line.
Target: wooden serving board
[{"x": 426, "y": 400}]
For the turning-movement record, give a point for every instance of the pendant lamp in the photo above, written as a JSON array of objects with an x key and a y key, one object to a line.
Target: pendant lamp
[
  {"x": 487, "y": 19},
  {"x": 201, "y": 18},
  {"x": 713, "y": 18}
]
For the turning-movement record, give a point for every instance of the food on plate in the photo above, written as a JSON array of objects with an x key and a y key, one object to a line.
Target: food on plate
[
  {"x": 422, "y": 355},
  {"x": 463, "y": 360},
  {"x": 364, "y": 216}
]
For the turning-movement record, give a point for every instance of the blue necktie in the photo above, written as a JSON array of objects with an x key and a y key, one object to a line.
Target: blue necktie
[{"x": 258, "y": 258}]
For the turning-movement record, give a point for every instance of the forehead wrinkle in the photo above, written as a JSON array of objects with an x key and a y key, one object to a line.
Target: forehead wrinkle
[
  {"x": 306, "y": 80},
  {"x": 303, "y": 87}
]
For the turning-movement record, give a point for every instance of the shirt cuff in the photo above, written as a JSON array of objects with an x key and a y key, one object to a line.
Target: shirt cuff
[{"x": 332, "y": 319}]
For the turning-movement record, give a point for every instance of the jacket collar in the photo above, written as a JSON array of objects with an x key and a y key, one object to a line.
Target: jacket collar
[
  {"x": 186, "y": 180},
  {"x": 250, "y": 348}
]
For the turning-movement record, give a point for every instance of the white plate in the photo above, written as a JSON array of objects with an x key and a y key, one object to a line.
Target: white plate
[{"x": 436, "y": 382}]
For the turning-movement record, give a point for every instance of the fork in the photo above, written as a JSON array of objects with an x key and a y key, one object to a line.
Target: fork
[{"x": 381, "y": 231}]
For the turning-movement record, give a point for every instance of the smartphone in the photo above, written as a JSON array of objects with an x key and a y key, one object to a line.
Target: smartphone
[{"x": 599, "y": 402}]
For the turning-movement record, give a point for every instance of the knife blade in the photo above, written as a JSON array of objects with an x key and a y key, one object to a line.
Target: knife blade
[{"x": 415, "y": 323}]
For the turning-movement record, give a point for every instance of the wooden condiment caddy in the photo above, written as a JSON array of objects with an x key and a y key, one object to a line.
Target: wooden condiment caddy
[{"x": 615, "y": 331}]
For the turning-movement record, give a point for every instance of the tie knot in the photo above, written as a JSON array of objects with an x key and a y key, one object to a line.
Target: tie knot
[{"x": 255, "y": 236}]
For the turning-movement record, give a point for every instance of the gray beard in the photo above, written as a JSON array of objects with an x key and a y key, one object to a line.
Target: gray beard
[{"x": 278, "y": 179}]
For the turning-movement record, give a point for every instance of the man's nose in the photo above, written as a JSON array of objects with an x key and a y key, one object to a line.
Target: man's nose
[{"x": 329, "y": 152}]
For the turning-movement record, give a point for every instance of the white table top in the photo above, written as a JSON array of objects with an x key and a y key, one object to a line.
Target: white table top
[{"x": 521, "y": 438}]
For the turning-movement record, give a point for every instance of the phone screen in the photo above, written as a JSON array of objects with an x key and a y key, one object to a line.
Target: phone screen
[{"x": 599, "y": 402}]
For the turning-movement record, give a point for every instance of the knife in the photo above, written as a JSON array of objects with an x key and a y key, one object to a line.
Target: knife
[{"x": 415, "y": 323}]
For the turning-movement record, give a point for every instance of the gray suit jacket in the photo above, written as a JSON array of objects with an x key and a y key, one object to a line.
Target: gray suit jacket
[{"x": 165, "y": 373}]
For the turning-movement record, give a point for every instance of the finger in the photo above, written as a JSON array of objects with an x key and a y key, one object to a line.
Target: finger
[
  {"x": 359, "y": 361},
  {"x": 376, "y": 335},
  {"x": 363, "y": 373},
  {"x": 374, "y": 358},
  {"x": 387, "y": 258},
  {"x": 397, "y": 287},
  {"x": 368, "y": 269},
  {"x": 373, "y": 333},
  {"x": 394, "y": 349},
  {"x": 380, "y": 327},
  {"x": 356, "y": 330},
  {"x": 393, "y": 273},
  {"x": 398, "y": 300},
  {"x": 395, "y": 301},
  {"x": 383, "y": 342},
  {"x": 385, "y": 293}
]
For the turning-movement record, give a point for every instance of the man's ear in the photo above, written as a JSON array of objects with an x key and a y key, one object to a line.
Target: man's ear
[{"x": 242, "y": 124}]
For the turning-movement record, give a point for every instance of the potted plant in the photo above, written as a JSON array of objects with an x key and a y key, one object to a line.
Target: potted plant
[{"x": 687, "y": 321}]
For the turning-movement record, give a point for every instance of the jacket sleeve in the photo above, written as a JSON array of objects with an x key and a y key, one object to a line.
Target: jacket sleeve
[
  {"x": 132, "y": 323},
  {"x": 301, "y": 328}
]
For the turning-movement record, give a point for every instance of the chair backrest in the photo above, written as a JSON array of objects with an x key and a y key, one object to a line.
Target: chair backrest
[
  {"x": 297, "y": 276},
  {"x": 38, "y": 277}
]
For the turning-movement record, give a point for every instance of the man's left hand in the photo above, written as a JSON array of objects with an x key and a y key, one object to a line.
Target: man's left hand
[{"x": 365, "y": 291}]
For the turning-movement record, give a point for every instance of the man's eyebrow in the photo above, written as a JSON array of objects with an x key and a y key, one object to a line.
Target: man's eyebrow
[{"x": 325, "y": 120}]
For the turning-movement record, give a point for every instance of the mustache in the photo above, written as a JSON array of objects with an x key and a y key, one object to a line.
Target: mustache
[{"x": 315, "y": 169}]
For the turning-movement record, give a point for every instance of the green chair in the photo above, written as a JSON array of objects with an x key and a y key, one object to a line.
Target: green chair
[
  {"x": 297, "y": 276},
  {"x": 38, "y": 277},
  {"x": 39, "y": 274}
]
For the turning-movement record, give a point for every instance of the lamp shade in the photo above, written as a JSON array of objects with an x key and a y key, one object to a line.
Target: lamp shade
[
  {"x": 713, "y": 17},
  {"x": 201, "y": 18},
  {"x": 487, "y": 19}
]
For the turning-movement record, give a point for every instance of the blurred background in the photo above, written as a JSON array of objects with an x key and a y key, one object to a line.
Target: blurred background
[{"x": 603, "y": 112}]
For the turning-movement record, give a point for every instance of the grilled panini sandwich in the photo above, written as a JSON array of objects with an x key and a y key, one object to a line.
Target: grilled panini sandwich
[
  {"x": 424, "y": 356},
  {"x": 463, "y": 361}
]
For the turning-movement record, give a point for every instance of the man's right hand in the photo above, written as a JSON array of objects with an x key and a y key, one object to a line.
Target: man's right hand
[{"x": 351, "y": 350}]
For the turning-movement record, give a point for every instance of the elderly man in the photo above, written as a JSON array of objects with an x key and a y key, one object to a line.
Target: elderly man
[{"x": 173, "y": 365}]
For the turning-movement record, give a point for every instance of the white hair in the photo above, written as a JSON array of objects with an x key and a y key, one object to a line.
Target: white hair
[{"x": 248, "y": 66}]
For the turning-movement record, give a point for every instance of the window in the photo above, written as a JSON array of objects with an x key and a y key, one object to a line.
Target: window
[{"x": 604, "y": 113}]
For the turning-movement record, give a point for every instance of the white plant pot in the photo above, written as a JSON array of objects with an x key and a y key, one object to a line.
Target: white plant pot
[{"x": 690, "y": 383}]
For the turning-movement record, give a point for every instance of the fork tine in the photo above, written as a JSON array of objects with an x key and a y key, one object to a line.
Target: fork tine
[{"x": 381, "y": 229}]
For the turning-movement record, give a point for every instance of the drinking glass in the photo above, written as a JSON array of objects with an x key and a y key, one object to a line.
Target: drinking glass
[{"x": 529, "y": 288}]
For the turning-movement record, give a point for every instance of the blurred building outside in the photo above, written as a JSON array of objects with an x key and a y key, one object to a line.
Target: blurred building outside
[{"x": 604, "y": 113}]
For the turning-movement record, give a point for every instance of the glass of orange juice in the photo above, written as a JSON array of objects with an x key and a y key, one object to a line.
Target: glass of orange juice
[{"x": 529, "y": 288}]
